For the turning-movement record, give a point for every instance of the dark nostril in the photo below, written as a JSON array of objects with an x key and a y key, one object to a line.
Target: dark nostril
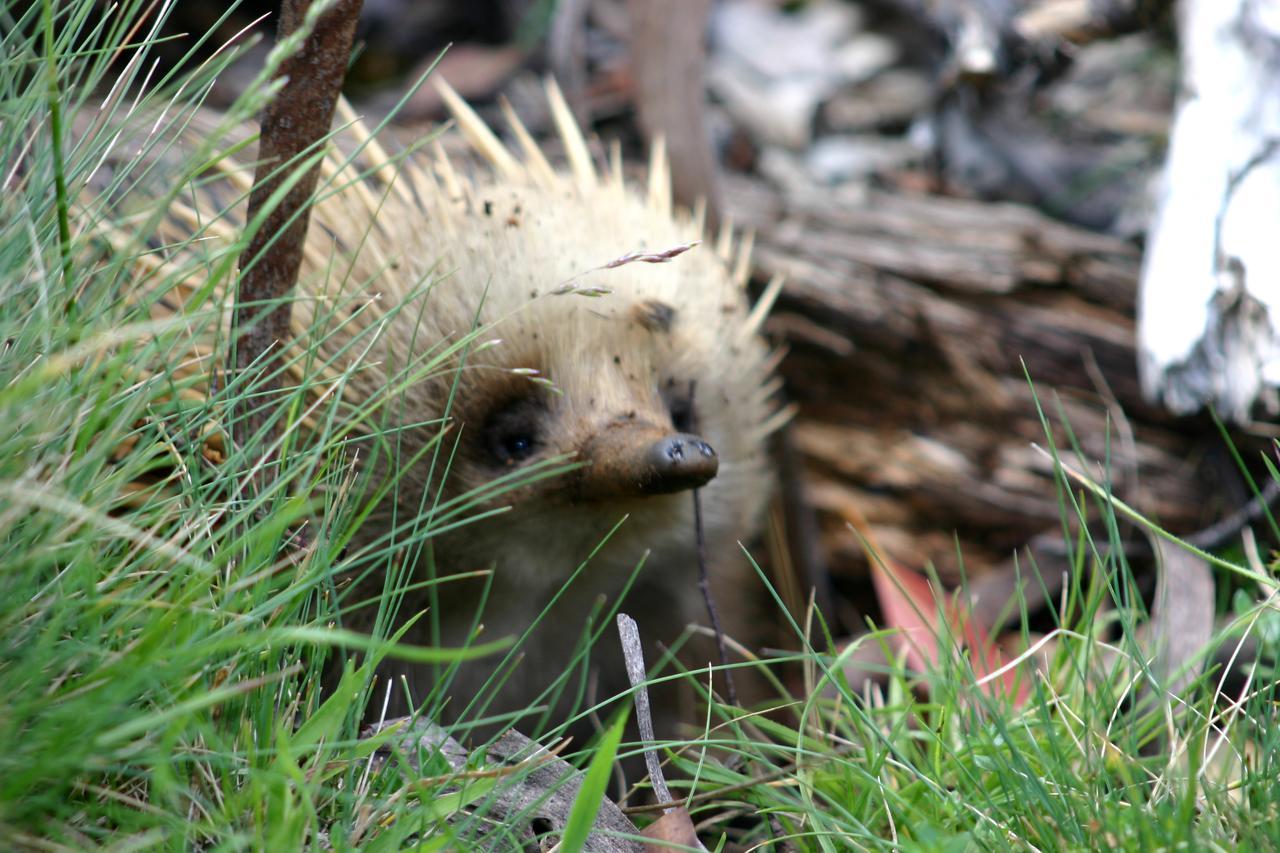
[{"x": 675, "y": 450}]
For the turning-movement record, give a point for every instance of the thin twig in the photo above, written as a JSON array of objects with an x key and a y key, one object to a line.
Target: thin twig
[
  {"x": 704, "y": 577},
  {"x": 1224, "y": 530},
  {"x": 704, "y": 583},
  {"x": 633, "y": 656}
]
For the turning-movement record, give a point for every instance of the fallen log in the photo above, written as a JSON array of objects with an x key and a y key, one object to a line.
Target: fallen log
[{"x": 913, "y": 324}]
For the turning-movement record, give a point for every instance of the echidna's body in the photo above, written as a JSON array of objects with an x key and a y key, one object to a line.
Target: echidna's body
[{"x": 670, "y": 348}]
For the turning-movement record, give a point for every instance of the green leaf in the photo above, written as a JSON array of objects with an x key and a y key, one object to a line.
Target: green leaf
[
  {"x": 418, "y": 654},
  {"x": 583, "y": 814},
  {"x": 326, "y": 722}
]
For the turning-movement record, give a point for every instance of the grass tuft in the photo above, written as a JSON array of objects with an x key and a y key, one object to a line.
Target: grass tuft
[{"x": 160, "y": 650}]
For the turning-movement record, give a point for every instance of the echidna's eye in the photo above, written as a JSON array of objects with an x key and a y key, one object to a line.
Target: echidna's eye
[
  {"x": 517, "y": 446},
  {"x": 511, "y": 432}
]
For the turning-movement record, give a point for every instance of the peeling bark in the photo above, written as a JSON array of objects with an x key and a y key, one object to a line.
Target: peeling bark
[{"x": 1208, "y": 315}]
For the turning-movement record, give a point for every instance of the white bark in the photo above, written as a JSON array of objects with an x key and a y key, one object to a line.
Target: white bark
[{"x": 1209, "y": 305}]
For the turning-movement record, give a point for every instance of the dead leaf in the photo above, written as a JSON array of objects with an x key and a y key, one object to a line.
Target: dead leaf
[
  {"x": 673, "y": 829},
  {"x": 1182, "y": 615},
  {"x": 922, "y": 615}
]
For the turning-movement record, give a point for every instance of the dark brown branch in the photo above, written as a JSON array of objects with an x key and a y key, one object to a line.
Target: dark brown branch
[{"x": 293, "y": 123}]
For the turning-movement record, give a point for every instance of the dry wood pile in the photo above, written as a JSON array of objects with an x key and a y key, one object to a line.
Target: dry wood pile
[
  {"x": 913, "y": 322},
  {"x": 922, "y": 322}
]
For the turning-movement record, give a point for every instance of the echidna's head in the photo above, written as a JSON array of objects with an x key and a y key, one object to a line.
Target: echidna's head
[
  {"x": 651, "y": 376},
  {"x": 655, "y": 384}
]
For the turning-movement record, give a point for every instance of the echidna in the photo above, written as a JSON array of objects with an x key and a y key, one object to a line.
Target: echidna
[{"x": 660, "y": 385}]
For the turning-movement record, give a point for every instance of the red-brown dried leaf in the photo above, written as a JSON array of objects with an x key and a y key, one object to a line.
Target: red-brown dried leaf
[
  {"x": 922, "y": 615},
  {"x": 673, "y": 830}
]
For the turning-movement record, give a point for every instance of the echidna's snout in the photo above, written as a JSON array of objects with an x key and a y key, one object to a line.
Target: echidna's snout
[
  {"x": 632, "y": 459},
  {"x": 680, "y": 462}
]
